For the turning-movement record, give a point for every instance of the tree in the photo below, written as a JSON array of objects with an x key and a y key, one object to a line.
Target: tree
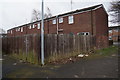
[
  {"x": 2, "y": 31},
  {"x": 36, "y": 14},
  {"x": 115, "y": 12},
  {"x": 48, "y": 13}
]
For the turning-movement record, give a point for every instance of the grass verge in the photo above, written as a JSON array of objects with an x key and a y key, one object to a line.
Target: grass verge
[
  {"x": 105, "y": 52},
  {"x": 29, "y": 57},
  {"x": 59, "y": 58}
]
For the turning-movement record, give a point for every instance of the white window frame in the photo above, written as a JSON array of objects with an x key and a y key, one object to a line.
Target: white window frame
[
  {"x": 110, "y": 37},
  {"x": 86, "y": 33},
  {"x": 18, "y": 29},
  {"x": 21, "y": 29},
  {"x": 83, "y": 33},
  {"x": 110, "y": 31},
  {"x": 38, "y": 25},
  {"x": 33, "y": 26},
  {"x": 11, "y": 31},
  {"x": 70, "y": 19},
  {"x": 116, "y": 30},
  {"x": 61, "y": 20},
  {"x": 54, "y": 21},
  {"x": 30, "y": 26}
]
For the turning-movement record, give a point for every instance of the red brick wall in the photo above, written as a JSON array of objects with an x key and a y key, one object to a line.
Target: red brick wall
[
  {"x": 82, "y": 23},
  {"x": 114, "y": 34},
  {"x": 101, "y": 27},
  {"x": 52, "y": 27}
]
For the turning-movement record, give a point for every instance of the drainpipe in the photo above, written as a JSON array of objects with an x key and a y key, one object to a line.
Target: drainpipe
[
  {"x": 48, "y": 26},
  {"x": 57, "y": 23},
  {"x": 95, "y": 45},
  {"x": 91, "y": 22}
]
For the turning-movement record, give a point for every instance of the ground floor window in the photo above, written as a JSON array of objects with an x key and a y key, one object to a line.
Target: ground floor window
[{"x": 83, "y": 33}]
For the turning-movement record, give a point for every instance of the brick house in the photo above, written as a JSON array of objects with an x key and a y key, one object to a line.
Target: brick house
[
  {"x": 87, "y": 21},
  {"x": 114, "y": 33}
]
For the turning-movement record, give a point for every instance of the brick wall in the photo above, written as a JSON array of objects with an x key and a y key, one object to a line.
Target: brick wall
[
  {"x": 114, "y": 34},
  {"x": 101, "y": 21}
]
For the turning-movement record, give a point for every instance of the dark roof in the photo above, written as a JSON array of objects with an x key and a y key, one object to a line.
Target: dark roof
[
  {"x": 68, "y": 13},
  {"x": 80, "y": 10},
  {"x": 114, "y": 27}
]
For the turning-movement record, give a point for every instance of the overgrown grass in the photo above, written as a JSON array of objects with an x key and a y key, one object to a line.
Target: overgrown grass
[
  {"x": 107, "y": 51},
  {"x": 32, "y": 58},
  {"x": 61, "y": 56},
  {"x": 29, "y": 57},
  {"x": 104, "y": 52},
  {"x": 96, "y": 53}
]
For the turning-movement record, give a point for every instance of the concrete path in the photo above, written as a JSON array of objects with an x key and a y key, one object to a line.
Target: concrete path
[{"x": 104, "y": 67}]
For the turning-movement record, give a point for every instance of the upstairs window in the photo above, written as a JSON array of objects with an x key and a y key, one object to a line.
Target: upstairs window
[
  {"x": 60, "y": 20},
  {"x": 30, "y": 27},
  {"x": 33, "y": 26},
  {"x": 38, "y": 25},
  {"x": 54, "y": 21},
  {"x": 11, "y": 31},
  {"x": 70, "y": 19},
  {"x": 18, "y": 29},
  {"x": 21, "y": 29}
]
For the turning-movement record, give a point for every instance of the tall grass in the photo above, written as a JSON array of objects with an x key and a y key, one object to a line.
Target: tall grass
[{"x": 26, "y": 57}]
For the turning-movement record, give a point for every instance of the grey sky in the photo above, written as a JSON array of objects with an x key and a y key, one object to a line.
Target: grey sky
[{"x": 18, "y": 12}]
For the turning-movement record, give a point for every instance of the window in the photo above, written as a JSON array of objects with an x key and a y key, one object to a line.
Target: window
[
  {"x": 54, "y": 21},
  {"x": 18, "y": 29},
  {"x": 33, "y": 26},
  {"x": 110, "y": 37},
  {"x": 60, "y": 20},
  {"x": 116, "y": 30},
  {"x": 21, "y": 29},
  {"x": 87, "y": 33},
  {"x": 61, "y": 34},
  {"x": 38, "y": 25},
  {"x": 83, "y": 33},
  {"x": 30, "y": 27},
  {"x": 71, "y": 20},
  {"x": 110, "y": 31},
  {"x": 11, "y": 31}
]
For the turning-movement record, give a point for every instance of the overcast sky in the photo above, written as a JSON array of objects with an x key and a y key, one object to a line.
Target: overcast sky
[{"x": 14, "y": 13}]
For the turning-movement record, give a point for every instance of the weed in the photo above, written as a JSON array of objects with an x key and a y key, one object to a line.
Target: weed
[{"x": 29, "y": 57}]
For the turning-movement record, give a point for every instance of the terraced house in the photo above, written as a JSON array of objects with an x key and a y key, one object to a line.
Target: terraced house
[
  {"x": 88, "y": 21},
  {"x": 114, "y": 33}
]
